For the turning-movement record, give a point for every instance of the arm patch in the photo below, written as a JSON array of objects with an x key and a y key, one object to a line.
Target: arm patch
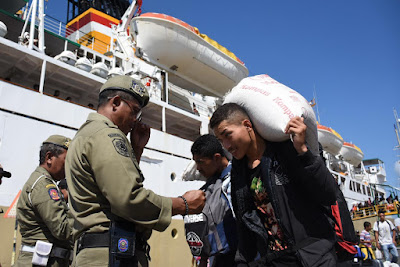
[
  {"x": 121, "y": 147},
  {"x": 53, "y": 193}
]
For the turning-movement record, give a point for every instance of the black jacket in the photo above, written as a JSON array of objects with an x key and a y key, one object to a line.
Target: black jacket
[{"x": 297, "y": 199}]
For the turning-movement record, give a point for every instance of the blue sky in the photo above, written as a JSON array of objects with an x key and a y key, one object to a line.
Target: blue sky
[{"x": 348, "y": 50}]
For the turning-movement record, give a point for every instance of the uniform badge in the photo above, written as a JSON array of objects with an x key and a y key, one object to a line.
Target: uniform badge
[
  {"x": 123, "y": 244},
  {"x": 137, "y": 88},
  {"x": 53, "y": 193},
  {"x": 195, "y": 243},
  {"x": 121, "y": 147}
]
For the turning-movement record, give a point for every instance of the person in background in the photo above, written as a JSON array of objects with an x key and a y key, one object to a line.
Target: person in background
[
  {"x": 42, "y": 213},
  {"x": 385, "y": 236},
  {"x": 114, "y": 214},
  {"x": 213, "y": 164},
  {"x": 366, "y": 242},
  {"x": 278, "y": 190}
]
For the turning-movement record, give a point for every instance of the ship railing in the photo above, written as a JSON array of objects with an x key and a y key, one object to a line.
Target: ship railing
[
  {"x": 59, "y": 28},
  {"x": 372, "y": 211}
]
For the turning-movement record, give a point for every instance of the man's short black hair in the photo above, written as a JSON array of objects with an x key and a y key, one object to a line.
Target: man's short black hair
[
  {"x": 381, "y": 211},
  {"x": 105, "y": 95},
  {"x": 206, "y": 146},
  {"x": 229, "y": 112},
  {"x": 366, "y": 224},
  {"x": 55, "y": 150}
]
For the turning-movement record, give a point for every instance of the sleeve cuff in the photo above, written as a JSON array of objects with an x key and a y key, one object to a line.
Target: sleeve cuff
[{"x": 165, "y": 215}]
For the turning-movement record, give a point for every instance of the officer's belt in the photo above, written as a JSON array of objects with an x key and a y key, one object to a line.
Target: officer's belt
[
  {"x": 56, "y": 252},
  {"x": 102, "y": 240},
  {"x": 93, "y": 240}
]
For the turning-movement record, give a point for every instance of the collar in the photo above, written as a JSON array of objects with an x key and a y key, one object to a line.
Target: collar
[
  {"x": 43, "y": 171},
  {"x": 94, "y": 116},
  {"x": 226, "y": 171}
]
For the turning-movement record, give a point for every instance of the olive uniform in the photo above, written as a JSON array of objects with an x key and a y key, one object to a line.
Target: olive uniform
[
  {"x": 43, "y": 214},
  {"x": 105, "y": 182}
]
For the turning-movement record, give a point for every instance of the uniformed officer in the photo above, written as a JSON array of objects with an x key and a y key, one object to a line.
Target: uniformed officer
[
  {"x": 41, "y": 211},
  {"x": 106, "y": 194}
]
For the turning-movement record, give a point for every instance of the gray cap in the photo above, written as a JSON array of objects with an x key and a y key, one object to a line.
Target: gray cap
[
  {"x": 130, "y": 85},
  {"x": 58, "y": 140}
]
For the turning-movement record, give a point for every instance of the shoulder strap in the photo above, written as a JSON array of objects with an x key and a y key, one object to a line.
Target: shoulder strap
[{"x": 37, "y": 180}]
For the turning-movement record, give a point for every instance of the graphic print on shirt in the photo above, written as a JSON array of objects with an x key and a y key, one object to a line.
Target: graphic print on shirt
[{"x": 263, "y": 203}]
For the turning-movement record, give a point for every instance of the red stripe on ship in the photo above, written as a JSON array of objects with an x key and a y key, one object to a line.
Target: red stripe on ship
[{"x": 90, "y": 17}]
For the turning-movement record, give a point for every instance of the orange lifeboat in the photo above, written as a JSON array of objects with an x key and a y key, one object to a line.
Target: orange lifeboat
[
  {"x": 351, "y": 153},
  {"x": 193, "y": 60},
  {"x": 330, "y": 140}
]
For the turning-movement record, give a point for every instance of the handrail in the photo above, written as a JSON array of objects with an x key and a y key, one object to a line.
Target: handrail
[
  {"x": 59, "y": 28},
  {"x": 372, "y": 211}
]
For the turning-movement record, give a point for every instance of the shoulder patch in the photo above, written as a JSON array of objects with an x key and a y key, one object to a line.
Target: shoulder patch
[
  {"x": 112, "y": 135},
  {"x": 53, "y": 193},
  {"x": 50, "y": 185},
  {"x": 120, "y": 146}
]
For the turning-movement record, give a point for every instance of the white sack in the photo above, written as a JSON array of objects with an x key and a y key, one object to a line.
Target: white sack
[{"x": 270, "y": 105}]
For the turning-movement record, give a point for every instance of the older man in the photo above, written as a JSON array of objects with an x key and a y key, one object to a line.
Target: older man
[
  {"x": 114, "y": 213},
  {"x": 42, "y": 212}
]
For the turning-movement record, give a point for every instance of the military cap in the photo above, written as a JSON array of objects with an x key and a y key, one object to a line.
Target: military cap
[
  {"x": 58, "y": 140},
  {"x": 130, "y": 85}
]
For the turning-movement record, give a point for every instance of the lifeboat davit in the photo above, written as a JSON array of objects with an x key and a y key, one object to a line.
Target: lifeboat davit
[
  {"x": 193, "y": 61},
  {"x": 330, "y": 140},
  {"x": 351, "y": 153}
]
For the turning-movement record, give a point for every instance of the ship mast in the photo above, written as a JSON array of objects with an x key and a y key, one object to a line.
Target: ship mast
[
  {"x": 397, "y": 128},
  {"x": 114, "y": 8}
]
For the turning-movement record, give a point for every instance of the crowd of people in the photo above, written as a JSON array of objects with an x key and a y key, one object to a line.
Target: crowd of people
[
  {"x": 274, "y": 193},
  {"x": 369, "y": 207}
]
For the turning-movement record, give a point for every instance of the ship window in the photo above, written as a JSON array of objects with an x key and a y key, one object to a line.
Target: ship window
[
  {"x": 81, "y": 53},
  {"x": 342, "y": 180},
  {"x": 108, "y": 63},
  {"x": 118, "y": 63},
  {"x": 368, "y": 191},
  {"x": 363, "y": 190},
  {"x": 89, "y": 55},
  {"x": 174, "y": 233},
  {"x": 351, "y": 185},
  {"x": 173, "y": 176},
  {"x": 358, "y": 188}
]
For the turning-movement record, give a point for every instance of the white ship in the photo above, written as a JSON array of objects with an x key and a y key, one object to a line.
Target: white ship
[
  {"x": 50, "y": 75},
  {"x": 360, "y": 179}
]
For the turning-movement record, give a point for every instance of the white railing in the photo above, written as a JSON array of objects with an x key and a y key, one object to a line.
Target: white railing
[{"x": 59, "y": 28}]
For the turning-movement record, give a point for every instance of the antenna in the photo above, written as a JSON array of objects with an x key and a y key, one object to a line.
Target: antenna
[
  {"x": 316, "y": 104},
  {"x": 396, "y": 128}
]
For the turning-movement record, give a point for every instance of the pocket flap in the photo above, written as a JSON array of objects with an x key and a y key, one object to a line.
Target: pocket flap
[{"x": 43, "y": 248}]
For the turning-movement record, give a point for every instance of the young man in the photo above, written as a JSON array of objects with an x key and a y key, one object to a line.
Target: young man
[
  {"x": 385, "y": 236},
  {"x": 212, "y": 163},
  {"x": 42, "y": 213},
  {"x": 365, "y": 241},
  {"x": 114, "y": 214},
  {"x": 278, "y": 190}
]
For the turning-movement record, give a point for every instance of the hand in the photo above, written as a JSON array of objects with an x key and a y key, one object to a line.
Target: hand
[
  {"x": 140, "y": 135},
  {"x": 196, "y": 200},
  {"x": 297, "y": 129},
  {"x": 378, "y": 246}
]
